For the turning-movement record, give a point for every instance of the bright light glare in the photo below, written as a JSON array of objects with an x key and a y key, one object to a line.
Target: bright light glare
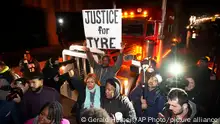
[
  {"x": 125, "y": 83},
  {"x": 139, "y": 10},
  {"x": 126, "y": 87},
  {"x": 60, "y": 20},
  {"x": 175, "y": 69},
  {"x": 62, "y": 68},
  {"x": 216, "y": 15},
  {"x": 126, "y": 91},
  {"x": 125, "y": 13}
]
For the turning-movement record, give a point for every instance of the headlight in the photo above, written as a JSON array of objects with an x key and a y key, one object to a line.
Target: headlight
[{"x": 176, "y": 69}]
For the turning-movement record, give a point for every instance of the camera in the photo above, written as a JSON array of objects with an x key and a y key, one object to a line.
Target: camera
[
  {"x": 17, "y": 90},
  {"x": 13, "y": 93},
  {"x": 173, "y": 82}
]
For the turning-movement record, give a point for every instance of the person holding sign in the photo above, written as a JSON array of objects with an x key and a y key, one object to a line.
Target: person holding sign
[
  {"x": 103, "y": 28},
  {"x": 103, "y": 70}
]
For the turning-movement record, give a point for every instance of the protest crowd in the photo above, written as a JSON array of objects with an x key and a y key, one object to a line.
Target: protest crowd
[{"x": 34, "y": 97}]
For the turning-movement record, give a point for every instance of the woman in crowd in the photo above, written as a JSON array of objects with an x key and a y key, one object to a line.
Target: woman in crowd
[
  {"x": 51, "y": 113},
  {"x": 89, "y": 93}
]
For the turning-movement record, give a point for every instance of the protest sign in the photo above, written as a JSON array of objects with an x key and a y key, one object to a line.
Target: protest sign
[{"x": 103, "y": 28}]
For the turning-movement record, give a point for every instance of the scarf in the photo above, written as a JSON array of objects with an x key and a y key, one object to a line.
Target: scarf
[{"x": 96, "y": 103}]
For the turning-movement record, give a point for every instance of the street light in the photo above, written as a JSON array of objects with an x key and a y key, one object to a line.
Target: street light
[
  {"x": 60, "y": 20},
  {"x": 60, "y": 32}
]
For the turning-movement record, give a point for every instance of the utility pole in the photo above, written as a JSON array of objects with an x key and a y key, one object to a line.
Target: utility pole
[
  {"x": 161, "y": 35},
  {"x": 177, "y": 13},
  {"x": 164, "y": 9}
]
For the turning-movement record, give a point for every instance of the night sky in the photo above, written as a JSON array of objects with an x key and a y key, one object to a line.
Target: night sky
[
  {"x": 20, "y": 22},
  {"x": 191, "y": 6}
]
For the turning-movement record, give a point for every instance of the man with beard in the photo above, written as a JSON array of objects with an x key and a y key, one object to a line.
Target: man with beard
[
  {"x": 37, "y": 95},
  {"x": 179, "y": 109}
]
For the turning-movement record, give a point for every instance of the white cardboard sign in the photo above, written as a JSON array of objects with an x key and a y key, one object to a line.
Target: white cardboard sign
[{"x": 103, "y": 28}]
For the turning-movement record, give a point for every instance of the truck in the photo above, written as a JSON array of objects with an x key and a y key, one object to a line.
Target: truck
[{"x": 142, "y": 35}]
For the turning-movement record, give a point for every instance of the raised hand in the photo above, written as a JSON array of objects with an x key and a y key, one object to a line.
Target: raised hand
[{"x": 122, "y": 47}]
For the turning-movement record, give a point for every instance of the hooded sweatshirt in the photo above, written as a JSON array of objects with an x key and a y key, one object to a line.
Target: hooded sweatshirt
[
  {"x": 104, "y": 73},
  {"x": 189, "y": 118},
  {"x": 119, "y": 104},
  {"x": 7, "y": 74},
  {"x": 6, "y": 77}
]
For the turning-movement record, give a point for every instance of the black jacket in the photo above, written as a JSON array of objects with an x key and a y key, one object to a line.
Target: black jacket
[{"x": 122, "y": 104}]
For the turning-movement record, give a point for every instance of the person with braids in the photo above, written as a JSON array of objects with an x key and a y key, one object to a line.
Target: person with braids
[{"x": 51, "y": 113}]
